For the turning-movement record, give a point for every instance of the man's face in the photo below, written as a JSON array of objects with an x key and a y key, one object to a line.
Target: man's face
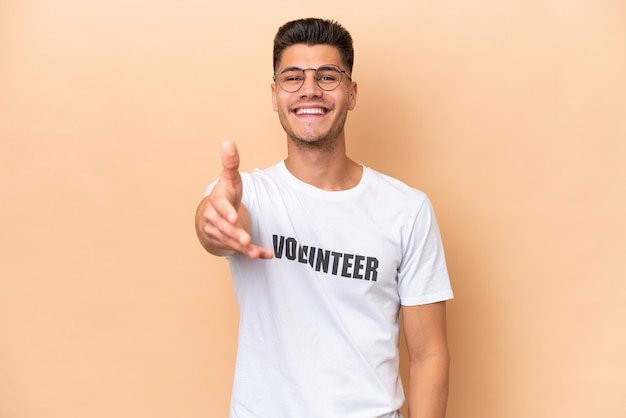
[{"x": 311, "y": 116}]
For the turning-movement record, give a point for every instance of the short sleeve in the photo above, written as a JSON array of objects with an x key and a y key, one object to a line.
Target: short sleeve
[{"x": 423, "y": 275}]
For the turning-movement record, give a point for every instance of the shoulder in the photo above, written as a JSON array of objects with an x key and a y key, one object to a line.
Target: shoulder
[
  {"x": 272, "y": 173},
  {"x": 392, "y": 187},
  {"x": 262, "y": 182}
]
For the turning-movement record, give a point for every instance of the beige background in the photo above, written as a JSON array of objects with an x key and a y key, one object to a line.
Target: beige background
[{"x": 510, "y": 115}]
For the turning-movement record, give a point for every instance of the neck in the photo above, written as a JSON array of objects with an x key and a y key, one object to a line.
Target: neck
[{"x": 327, "y": 168}]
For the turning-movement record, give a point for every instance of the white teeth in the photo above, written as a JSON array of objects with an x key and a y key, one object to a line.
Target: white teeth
[{"x": 310, "y": 111}]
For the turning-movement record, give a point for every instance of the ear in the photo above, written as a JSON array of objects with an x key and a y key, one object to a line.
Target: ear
[
  {"x": 274, "y": 103},
  {"x": 353, "y": 93}
]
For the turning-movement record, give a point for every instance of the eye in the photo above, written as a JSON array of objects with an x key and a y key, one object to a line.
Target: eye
[
  {"x": 291, "y": 76},
  {"x": 328, "y": 75}
]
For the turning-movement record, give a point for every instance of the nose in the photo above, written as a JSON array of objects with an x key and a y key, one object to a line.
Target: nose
[{"x": 310, "y": 88}]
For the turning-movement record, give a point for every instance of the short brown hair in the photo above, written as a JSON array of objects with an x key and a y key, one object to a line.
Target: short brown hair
[{"x": 313, "y": 31}]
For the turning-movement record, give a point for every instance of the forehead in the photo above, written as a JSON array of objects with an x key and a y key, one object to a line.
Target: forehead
[{"x": 309, "y": 56}]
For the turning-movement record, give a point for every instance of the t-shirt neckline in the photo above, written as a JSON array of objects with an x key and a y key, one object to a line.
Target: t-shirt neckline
[{"x": 307, "y": 188}]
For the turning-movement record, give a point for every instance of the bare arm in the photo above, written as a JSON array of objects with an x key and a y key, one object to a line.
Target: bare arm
[
  {"x": 429, "y": 359},
  {"x": 222, "y": 221}
]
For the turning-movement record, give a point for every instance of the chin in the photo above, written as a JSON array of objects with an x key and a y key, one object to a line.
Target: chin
[{"x": 320, "y": 142}]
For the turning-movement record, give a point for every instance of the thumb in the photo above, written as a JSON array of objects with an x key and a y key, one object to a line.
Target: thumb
[
  {"x": 230, "y": 163},
  {"x": 230, "y": 185}
]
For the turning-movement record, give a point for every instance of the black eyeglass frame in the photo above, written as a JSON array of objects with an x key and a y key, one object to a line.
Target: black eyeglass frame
[{"x": 333, "y": 66}]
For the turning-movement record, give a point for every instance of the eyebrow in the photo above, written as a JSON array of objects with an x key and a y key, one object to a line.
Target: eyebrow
[
  {"x": 289, "y": 69},
  {"x": 310, "y": 68}
]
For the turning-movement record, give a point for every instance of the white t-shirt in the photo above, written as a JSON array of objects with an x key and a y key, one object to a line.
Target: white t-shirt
[{"x": 319, "y": 323}]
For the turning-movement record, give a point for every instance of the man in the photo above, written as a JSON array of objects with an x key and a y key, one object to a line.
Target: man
[{"x": 325, "y": 253}]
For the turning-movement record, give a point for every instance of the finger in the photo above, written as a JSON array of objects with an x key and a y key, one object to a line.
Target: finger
[
  {"x": 255, "y": 251},
  {"x": 231, "y": 237},
  {"x": 235, "y": 239},
  {"x": 225, "y": 209},
  {"x": 263, "y": 253},
  {"x": 230, "y": 163},
  {"x": 220, "y": 216}
]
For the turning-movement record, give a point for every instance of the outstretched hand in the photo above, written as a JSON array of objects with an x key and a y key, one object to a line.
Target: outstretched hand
[{"x": 222, "y": 222}]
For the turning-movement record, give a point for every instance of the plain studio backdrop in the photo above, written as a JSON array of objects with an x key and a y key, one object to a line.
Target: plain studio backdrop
[{"x": 511, "y": 115}]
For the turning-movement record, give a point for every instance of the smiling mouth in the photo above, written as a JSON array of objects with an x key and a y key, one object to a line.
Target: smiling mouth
[{"x": 311, "y": 111}]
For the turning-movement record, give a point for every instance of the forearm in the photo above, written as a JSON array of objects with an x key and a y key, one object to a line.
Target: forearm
[{"x": 428, "y": 387}]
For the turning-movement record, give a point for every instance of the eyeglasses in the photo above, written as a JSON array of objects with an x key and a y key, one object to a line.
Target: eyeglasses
[{"x": 328, "y": 77}]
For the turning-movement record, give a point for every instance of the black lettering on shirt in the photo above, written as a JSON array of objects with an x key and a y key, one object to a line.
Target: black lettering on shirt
[{"x": 354, "y": 266}]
